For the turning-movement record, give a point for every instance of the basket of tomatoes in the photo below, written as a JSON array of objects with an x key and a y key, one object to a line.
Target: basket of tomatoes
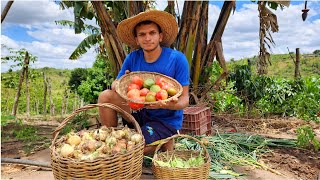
[{"x": 141, "y": 88}]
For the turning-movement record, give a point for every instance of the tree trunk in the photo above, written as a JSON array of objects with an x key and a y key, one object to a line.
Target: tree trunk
[
  {"x": 135, "y": 7},
  {"x": 297, "y": 64},
  {"x": 65, "y": 95},
  {"x": 113, "y": 45},
  {"x": 192, "y": 32},
  {"x": 50, "y": 97},
  {"x": 185, "y": 20},
  {"x": 37, "y": 106},
  {"x": 45, "y": 90},
  {"x": 200, "y": 44},
  {"x": 6, "y": 10},
  {"x": 75, "y": 101},
  {"x": 27, "y": 89},
  {"x": 210, "y": 51},
  {"x": 67, "y": 103},
  {"x": 16, "y": 99}
]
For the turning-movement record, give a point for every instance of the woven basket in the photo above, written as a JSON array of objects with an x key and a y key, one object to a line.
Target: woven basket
[
  {"x": 123, "y": 83},
  {"x": 118, "y": 166},
  {"x": 201, "y": 172}
]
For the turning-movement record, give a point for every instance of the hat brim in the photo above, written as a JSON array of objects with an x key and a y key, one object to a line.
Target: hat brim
[{"x": 166, "y": 21}]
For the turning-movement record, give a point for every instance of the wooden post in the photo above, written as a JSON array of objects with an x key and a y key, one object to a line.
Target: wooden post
[{"x": 297, "y": 64}]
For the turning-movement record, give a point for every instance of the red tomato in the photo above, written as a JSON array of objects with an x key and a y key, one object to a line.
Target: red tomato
[
  {"x": 144, "y": 91},
  {"x": 135, "y": 106},
  {"x": 160, "y": 81},
  {"x": 137, "y": 80},
  {"x": 133, "y": 86}
]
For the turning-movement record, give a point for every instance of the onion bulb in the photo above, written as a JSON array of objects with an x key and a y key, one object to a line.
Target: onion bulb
[
  {"x": 67, "y": 150},
  {"x": 111, "y": 140},
  {"x": 74, "y": 140},
  {"x": 130, "y": 145},
  {"x": 137, "y": 138}
]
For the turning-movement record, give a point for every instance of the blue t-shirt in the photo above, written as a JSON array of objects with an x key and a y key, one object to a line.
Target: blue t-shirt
[{"x": 171, "y": 63}]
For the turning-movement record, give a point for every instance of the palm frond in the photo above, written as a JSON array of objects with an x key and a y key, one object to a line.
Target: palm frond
[{"x": 86, "y": 44}]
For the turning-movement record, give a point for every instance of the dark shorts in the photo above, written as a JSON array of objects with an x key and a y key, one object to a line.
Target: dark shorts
[{"x": 152, "y": 130}]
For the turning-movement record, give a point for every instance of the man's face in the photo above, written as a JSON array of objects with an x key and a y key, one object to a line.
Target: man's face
[{"x": 148, "y": 36}]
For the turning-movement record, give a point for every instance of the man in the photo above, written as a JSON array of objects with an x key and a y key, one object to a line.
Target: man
[{"x": 151, "y": 33}]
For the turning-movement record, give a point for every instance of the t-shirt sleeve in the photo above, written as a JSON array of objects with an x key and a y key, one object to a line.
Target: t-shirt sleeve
[
  {"x": 125, "y": 66},
  {"x": 182, "y": 70}
]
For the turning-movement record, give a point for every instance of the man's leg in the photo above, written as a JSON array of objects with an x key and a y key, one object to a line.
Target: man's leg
[{"x": 108, "y": 117}]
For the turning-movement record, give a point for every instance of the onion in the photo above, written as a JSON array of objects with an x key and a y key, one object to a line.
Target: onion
[
  {"x": 74, "y": 140},
  {"x": 122, "y": 145},
  {"x": 115, "y": 134},
  {"x": 121, "y": 134},
  {"x": 116, "y": 149},
  {"x": 137, "y": 138},
  {"x": 86, "y": 136},
  {"x": 103, "y": 135},
  {"x": 130, "y": 145},
  {"x": 77, "y": 154},
  {"x": 111, "y": 140},
  {"x": 67, "y": 150},
  {"x": 127, "y": 132}
]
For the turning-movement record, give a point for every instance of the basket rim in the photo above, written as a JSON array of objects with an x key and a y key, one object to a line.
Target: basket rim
[
  {"x": 206, "y": 154},
  {"x": 117, "y": 87}
]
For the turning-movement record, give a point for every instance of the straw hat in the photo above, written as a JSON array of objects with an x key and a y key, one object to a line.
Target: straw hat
[{"x": 166, "y": 21}]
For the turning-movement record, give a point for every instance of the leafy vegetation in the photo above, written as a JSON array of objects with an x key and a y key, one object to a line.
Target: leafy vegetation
[{"x": 306, "y": 137}]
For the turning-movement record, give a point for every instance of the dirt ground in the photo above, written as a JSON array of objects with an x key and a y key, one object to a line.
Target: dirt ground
[{"x": 291, "y": 163}]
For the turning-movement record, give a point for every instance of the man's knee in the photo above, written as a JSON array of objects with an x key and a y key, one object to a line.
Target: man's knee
[{"x": 106, "y": 96}]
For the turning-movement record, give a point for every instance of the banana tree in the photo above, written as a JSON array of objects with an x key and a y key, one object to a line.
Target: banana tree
[
  {"x": 268, "y": 23},
  {"x": 107, "y": 14}
]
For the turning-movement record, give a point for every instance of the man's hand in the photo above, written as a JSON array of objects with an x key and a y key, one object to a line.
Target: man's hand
[{"x": 163, "y": 105}]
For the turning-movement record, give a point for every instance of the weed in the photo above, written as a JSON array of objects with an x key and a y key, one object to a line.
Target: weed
[{"x": 306, "y": 137}]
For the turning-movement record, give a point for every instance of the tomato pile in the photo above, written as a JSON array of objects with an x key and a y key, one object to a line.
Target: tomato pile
[{"x": 148, "y": 90}]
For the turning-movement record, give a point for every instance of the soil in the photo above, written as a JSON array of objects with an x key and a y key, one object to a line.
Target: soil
[{"x": 291, "y": 163}]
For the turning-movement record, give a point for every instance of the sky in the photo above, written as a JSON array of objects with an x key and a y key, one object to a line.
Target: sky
[{"x": 31, "y": 25}]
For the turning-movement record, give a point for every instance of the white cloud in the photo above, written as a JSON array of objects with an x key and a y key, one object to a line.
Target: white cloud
[
  {"x": 36, "y": 13},
  {"x": 52, "y": 44},
  {"x": 241, "y": 36}
]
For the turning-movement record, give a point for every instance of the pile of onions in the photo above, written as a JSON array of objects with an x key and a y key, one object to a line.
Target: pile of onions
[{"x": 102, "y": 142}]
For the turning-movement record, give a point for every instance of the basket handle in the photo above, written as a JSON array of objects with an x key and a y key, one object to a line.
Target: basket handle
[
  {"x": 181, "y": 135},
  {"x": 126, "y": 115}
]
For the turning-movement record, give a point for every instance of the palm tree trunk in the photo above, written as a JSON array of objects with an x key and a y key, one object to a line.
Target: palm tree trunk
[
  {"x": 210, "y": 52},
  {"x": 135, "y": 7},
  {"x": 184, "y": 27},
  {"x": 16, "y": 99},
  {"x": 6, "y": 10},
  {"x": 201, "y": 43},
  {"x": 193, "y": 28}
]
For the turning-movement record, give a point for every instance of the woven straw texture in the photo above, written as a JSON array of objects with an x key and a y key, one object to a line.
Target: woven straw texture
[
  {"x": 201, "y": 172},
  {"x": 166, "y": 21},
  {"x": 123, "y": 83},
  {"x": 118, "y": 166}
]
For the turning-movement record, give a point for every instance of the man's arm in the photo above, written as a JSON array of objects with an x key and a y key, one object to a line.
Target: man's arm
[{"x": 113, "y": 85}]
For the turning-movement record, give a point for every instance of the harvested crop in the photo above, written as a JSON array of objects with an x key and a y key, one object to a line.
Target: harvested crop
[{"x": 102, "y": 142}]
